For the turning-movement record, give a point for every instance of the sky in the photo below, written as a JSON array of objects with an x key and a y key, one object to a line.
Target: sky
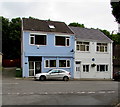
[{"x": 91, "y": 13}]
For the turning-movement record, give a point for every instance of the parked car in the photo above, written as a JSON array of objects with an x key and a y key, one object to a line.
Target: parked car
[
  {"x": 116, "y": 75},
  {"x": 54, "y": 74}
]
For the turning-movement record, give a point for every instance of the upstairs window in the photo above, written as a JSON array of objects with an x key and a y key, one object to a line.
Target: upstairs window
[
  {"x": 62, "y": 41},
  {"x": 102, "y": 47},
  {"x": 37, "y": 39},
  {"x": 82, "y": 46}
]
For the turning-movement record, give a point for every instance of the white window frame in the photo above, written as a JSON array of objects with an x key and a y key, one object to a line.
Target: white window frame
[
  {"x": 30, "y": 40},
  {"x": 101, "y": 65},
  {"x": 66, "y": 63},
  {"x": 102, "y": 45},
  {"x": 66, "y": 38},
  {"x": 34, "y": 39},
  {"x": 49, "y": 64},
  {"x": 82, "y": 43}
]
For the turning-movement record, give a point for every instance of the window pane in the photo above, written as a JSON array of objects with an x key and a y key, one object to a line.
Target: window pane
[
  {"x": 87, "y": 68},
  {"x": 78, "y": 47},
  {"x": 62, "y": 63},
  {"x": 79, "y": 42},
  {"x": 87, "y": 48},
  {"x": 31, "y": 65},
  {"x": 40, "y": 39},
  {"x": 52, "y": 63},
  {"x": 102, "y": 67},
  {"x": 31, "y": 40},
  {"x": 86, "y": 43},
  {"x": 98, "y": 48},
  {"x": 31, "y": 72},
  {"x": 68, "y": 41},
  {"x": 106, "y": 67},
  {"x": 105, "y": 49},
  {"x": 83, "y": 68},
  {"x": 68, "y": 63},
  {"x": 101, "y": 48},
  {"x": 60, "y": 41},
  {"x": 82, "y": 47},
  {"x": 98, "y": 67},
  {"x": 47, "y": 63}
]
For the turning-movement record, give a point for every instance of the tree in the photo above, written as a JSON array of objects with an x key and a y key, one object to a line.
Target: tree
[
  {"x": 74, "y": 24},
  {"x": 116, "y": 10},
  {"x": 11, "y": 32}
]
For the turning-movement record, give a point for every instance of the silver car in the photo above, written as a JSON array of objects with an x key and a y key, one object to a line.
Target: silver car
[{"x": 54, "y": 74}]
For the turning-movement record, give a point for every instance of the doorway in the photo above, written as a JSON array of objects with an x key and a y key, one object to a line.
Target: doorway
[
  {"x": 77, "y": 73},
  {"x": 34, "y": 65}
]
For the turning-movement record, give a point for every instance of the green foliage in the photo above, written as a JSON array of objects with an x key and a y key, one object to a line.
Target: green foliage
[
  {"x": 11, "y": 33},
  {"x": 74, "y": 24},
  {"x": 114, "y": 37},
  {"x": 116, "y": 10}
]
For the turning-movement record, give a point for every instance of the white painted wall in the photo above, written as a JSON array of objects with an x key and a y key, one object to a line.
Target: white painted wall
[
  {"x": 119, "y": 28},
  {"x": 100, "y": 58},
  {"x": 0, "y": 60}
]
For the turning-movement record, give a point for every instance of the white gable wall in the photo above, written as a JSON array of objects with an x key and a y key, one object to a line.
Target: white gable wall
[{"x": 85, "y": 58}]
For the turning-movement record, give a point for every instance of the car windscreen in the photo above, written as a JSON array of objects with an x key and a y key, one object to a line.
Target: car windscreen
[{"x": 49, "y": 70}]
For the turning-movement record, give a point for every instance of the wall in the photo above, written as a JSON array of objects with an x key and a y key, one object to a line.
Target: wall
[
  {"x": 100, "y": 58},
  {"x": 48, "y": 50}
]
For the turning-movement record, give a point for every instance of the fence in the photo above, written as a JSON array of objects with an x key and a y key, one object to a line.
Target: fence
[{"x": 11, "y": 63}]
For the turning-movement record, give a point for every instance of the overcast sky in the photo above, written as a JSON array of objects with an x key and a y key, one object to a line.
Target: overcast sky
[{"x": 91, "y": 13}]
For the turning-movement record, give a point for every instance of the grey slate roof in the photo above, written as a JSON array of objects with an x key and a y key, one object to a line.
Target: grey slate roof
[
  {"x": 1, "y": 53},
  {"x": 43, "y": 26},
  {"x": 90, "y": 34}
]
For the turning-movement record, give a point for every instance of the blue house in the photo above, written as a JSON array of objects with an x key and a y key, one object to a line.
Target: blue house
[{"x": 46, "y": 45}]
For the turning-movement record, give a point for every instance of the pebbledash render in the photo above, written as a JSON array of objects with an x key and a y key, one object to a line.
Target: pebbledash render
[
  {"x": 46, "y": 45},
  {"x": 93, "y": 54},
  {"x": 85, "y": 53}
]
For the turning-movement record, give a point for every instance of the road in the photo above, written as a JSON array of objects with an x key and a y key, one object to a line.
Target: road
[{"x": 17, "y": 91}]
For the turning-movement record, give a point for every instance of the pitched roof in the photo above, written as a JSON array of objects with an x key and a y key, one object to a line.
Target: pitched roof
[
  {"x": 90, "y": 34},
  {"x": 1, "y": 53},
  {"x": 44, "y": 26}
]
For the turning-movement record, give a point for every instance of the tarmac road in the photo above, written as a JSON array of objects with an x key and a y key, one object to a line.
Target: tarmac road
[{"x": 20, "y": 91}]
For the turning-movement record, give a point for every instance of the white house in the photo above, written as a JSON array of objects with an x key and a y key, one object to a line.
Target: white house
[
  {"x": 118, "y": 28},
  {"x": 93, "y": 54},
  {"x": 0, "y": 60}
]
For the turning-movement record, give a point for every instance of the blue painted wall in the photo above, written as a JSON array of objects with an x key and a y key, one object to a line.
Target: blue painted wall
[{"x": 48, "y": 51}]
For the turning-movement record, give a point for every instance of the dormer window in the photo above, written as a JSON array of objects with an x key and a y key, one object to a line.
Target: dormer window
[{"x": 51, "y": 26}]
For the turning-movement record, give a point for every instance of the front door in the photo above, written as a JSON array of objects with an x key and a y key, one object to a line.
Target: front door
[
  {"x": 77, "y": 73},
  {"x": 34, "y": 67},
  {"x": 37, "y": 67}
]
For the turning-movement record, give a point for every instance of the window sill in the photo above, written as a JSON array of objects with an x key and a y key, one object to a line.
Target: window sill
[
  {"x": 102, "y": 53},
  {"x": 37, "y": 45},
  {"x": 82, "y": 51}
]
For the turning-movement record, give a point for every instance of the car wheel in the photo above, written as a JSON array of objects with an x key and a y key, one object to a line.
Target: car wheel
[
  {"x": 42, "y": 78},
  {"x": 65, "y": 78}
]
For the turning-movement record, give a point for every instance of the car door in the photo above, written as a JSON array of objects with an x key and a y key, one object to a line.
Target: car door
[
  {"x": 53, "y": 74},
  {"x": 61, "y": 73}
]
